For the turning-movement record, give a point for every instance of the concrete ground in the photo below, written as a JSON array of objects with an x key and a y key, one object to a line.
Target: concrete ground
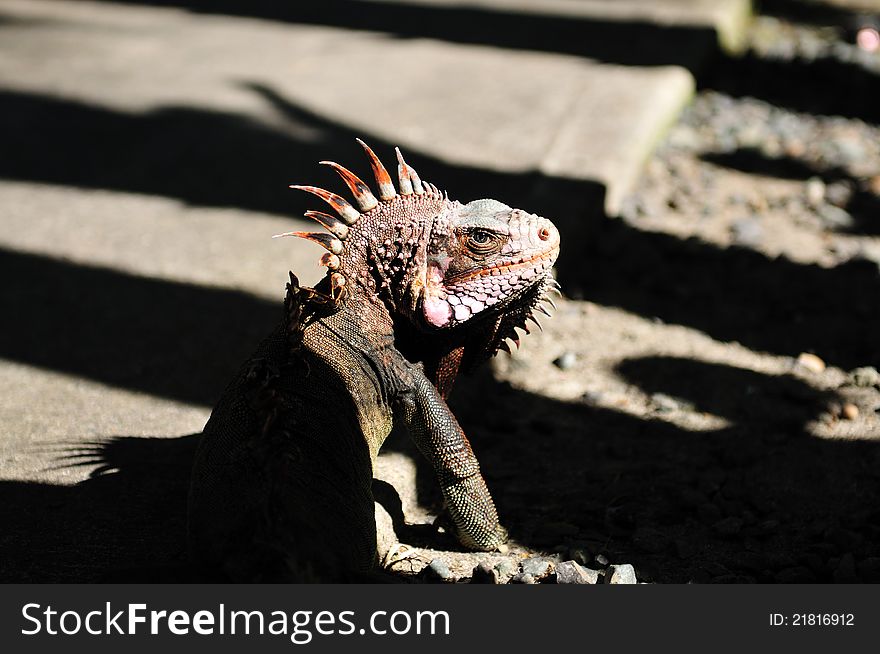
[{"x": 145, "y": 150}]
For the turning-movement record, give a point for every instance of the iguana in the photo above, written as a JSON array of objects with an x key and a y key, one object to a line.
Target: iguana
[{"x": 418, "y": 287}]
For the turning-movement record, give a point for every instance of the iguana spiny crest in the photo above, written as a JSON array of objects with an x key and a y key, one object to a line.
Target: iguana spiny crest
[{"x": 437, "y": 261}]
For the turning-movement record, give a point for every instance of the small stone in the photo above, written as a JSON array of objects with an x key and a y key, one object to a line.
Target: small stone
[
  {"x": 810, "y": 362},
  {"x": 523, "y": 578},
  {"x": 602, "y": 560},
  {"x": 835, "y": 217},
  {"x": 850, "y": 149},
  {"x": 623, "y": 574},
  {"x": 839, "y": 193},
  {"x": 570, "y": 572},
  {"x": 536, "y": 567},
  {"x": 728, "y": 527},
  {"x": 815, "y": 191},
  {"x": 747, "y": 232},
  {"x": 506, "y": 568},
  {"x": 865, "y": 377},
  {"x": 849, "y": 411},
  {"x": 565, "y": 361},
  {"x": 593, "y": 398},
  {"x": 437, "y": 570},
  {"x": 484, "y": 573},
  {"x": 665, "y": 403}
]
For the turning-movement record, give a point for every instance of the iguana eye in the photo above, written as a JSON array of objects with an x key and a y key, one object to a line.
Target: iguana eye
[{"x": 481, "y": 241}]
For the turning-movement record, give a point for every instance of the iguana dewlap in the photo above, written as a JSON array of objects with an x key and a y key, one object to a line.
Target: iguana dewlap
[{"x": 418, "y": 286}]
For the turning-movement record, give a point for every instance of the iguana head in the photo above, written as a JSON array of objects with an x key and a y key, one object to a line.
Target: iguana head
[
  {"x": 482, "y": 257},
  {"x": 438, "y": 263}
]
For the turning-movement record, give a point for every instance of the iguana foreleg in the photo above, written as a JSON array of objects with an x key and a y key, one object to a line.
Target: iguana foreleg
[{"x": 441, "y": 440}]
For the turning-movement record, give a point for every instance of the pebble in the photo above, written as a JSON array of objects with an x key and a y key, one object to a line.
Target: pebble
[
  {"x": 849, "y": 411},
  {"x": 484, "y": 573},
  {"x": 536, "y": 567},
  {"x": 438, "y": 570},
  {"x": 565, "y": 361},
  {"x": 865, "y": 377},
  {"x": 623, "y": 574},
  {"x": 835, "y": 217},
  {"x": 747, "y": 232},
  {"x": 839, "y": 193},
  {"x": 815, "y": 191},
  {"x": 602, "y": 560},
  {"x": 666, "y": 403},
  {"x": 506, "y": 568},
  {"x": 570, "y": 572},
  {"x": 810, "y": 362}
]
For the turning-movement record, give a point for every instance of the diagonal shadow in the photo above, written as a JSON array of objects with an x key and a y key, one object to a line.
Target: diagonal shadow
[
  {"x": 164, "y": 338},
  {"x": 629, "y": 42},
  {"x": 213, "y": 158},
  {"x": 824, "y": 85}
]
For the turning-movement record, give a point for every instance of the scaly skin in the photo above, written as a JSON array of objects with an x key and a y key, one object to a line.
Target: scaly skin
[{"x": 418, "y": 287}]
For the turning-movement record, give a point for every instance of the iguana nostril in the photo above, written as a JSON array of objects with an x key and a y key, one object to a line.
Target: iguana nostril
[{"x": 544, "y": 233}]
